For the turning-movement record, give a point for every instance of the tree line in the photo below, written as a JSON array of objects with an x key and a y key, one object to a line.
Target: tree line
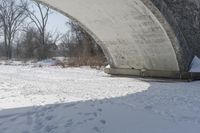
[{"x": 24, "y": 34}]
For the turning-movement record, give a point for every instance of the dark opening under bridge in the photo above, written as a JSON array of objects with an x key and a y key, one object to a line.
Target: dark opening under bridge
[{"x": 138, "y": 37}]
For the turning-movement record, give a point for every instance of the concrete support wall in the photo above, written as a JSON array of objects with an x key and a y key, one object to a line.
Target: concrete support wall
[
  {"x": 186, "y": 13},
  {"x": 133, "y": 34},
  {"x": 184, "y": 48}
]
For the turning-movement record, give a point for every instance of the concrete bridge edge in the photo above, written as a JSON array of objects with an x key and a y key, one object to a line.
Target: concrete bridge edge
[{"x": 184, "y": 54}]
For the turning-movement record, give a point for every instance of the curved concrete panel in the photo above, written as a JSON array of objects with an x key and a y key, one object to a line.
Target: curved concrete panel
[
  {"x": 183, "y": 49},
  {"x": 132, "y": 33}
]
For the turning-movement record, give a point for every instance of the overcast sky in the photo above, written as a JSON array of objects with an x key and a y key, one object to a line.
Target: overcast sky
[{"x": 57, "y": 22}]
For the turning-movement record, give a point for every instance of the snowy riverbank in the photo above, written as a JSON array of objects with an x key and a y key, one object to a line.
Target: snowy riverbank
[{"x": 84, "y": 100}]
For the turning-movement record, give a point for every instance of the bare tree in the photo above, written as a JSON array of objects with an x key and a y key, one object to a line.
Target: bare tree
[
  {"x": 64, "y": 46},
  {"x": 28, "y": 44},
  {"x": 81, "y": 47},
  {"x": 82, "y": 43},
  {"x": 12, "y": 16},
  {"x": 40, "y": 22}
]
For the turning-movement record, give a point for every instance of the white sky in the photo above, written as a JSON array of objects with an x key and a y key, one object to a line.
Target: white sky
[{"x": 57, "y": 22}]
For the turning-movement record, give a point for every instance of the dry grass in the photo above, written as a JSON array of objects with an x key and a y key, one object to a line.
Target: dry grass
[{"x": 94, "y": 62}]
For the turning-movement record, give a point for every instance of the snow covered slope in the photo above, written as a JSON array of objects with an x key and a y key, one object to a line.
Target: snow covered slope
[
  {"x": 195, "y": 66},
  {"x": 83, "y": 100}
]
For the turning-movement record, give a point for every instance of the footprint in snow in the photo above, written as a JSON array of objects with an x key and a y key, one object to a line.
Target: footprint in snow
[
  {"x": 91, "y": 119},
  {"x": 101, "y": 102},
  {"x": 69, "y": 123},
  {"x": 95, "y": 114},
  {"x": 48, "y": 118},
  {"x": 87, "y": 114},
  {"x": 97, "y": 129},
  {"x": 148, "y": 107},
  {"x": 92, "y": 105},
  {"x": 50, "y": 128},
  {"x": 79, "y": 123},
  {"x": 38, "y": 125},
  {"x": 5, "y": 129},
  {"x": 90, "y": 114},
  {"x": 69, "y": 105},
  {"x": 103, "y": 122},
  {"x": 100, "y": 110}
]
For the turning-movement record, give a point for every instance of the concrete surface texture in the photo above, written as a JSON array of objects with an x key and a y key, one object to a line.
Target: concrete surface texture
[
  {"x": 187, "y": 16},
  {"x": 134, "y": 34}
]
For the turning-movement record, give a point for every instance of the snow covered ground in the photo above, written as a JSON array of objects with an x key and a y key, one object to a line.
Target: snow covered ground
[
  {"x": 195, "y": 66},
  {"x": 83, "y": 100}
]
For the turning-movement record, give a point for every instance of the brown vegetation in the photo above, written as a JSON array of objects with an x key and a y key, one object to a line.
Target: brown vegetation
[{"x": 96, "y": 61}]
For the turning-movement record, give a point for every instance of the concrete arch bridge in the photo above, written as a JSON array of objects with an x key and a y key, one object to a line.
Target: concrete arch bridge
[{"x": 138, "y": 37}]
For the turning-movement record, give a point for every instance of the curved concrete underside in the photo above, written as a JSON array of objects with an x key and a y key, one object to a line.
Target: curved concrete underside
[{"x": 132, "y": 33}]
